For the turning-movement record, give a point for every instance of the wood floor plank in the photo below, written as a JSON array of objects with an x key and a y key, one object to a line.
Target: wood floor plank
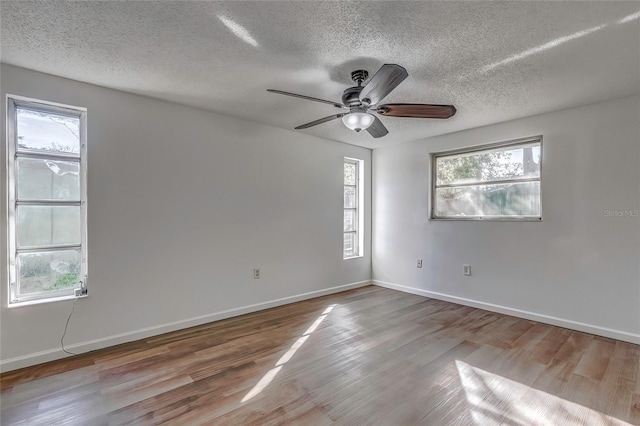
[
  {"x": 363, "y": 357},
  {"x": 554, "y": 379},
  {"x": 48, "y": 387},
  {"x": 549, "y": 345},
  {"x": 595, "y": 361},
  {"x": 634, "y": 410},
  {"x": 615, "y": 396}
]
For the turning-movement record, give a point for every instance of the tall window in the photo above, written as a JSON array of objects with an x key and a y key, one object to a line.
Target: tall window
[
  {"x": 46, "y": 173},
  {"x": 498, "y": 181},
  {"x": 353, "y": 214}
]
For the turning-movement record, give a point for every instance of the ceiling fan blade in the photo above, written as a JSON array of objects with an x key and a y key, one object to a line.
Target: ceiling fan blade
[
  {"x": 416, "y": 110},
  {"x": 309, "y": 98},
  {"x": 377, "y": 129},
  {"x": 388, "y": 77},
  {"x": 320, "y": 121}
]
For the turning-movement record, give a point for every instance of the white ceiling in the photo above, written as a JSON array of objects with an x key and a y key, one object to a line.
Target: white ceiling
[{"x": 494, "y": 61}]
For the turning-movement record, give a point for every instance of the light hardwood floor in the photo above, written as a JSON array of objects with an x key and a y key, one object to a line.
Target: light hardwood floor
[{"x": 367, "y": 356}]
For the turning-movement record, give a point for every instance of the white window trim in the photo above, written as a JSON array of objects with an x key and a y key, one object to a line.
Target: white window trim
[
  {"x": 13, "y": 101},
  {"x": 359, "y": 207},
  {"x": 476, "y": 148}
]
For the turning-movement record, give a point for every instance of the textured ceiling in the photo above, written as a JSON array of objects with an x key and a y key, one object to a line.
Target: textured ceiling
[{"x": 494, "y": 61}]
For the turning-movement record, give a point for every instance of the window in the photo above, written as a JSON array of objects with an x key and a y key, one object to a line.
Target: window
[
  {"x": 46, "y": 174},
  {"x": 498, "y": 181},
  {"x": 353, "y": 214}
]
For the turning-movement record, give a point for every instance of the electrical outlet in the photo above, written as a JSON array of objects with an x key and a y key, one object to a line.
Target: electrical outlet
[
  {"x": 466, "y": 269},
  {"x": 256, "y": 273},
  {"x": 419, "y": 264}
]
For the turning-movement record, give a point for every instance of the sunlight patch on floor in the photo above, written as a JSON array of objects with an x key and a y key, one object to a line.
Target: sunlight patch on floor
[
  {"x": 494, "y": 399},
  {"x": 271, "y": 374}
]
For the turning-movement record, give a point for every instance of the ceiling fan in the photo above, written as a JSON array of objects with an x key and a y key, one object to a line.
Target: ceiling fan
[{"x": 362, "y": 102}]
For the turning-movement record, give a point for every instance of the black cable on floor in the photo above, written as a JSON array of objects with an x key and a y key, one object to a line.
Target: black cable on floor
[{"x": 73, "y": 307}]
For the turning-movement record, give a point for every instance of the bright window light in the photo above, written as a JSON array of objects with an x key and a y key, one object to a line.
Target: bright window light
[
  {"x": 496, "y": 181},
  {"x": 353, "y": 213},
  {"x": 46, "y": 177}
]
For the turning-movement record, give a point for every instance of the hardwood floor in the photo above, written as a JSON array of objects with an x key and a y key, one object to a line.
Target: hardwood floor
[{"x": 367, "y": 356}]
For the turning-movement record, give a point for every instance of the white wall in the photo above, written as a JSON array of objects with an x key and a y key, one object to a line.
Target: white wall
[
  {"x": 182, "y": 204},
  {"x": 577, "y": 268}
]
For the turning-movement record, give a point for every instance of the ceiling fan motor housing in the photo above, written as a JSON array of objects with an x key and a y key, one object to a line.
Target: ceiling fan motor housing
[{"x": 351, "y": 96}]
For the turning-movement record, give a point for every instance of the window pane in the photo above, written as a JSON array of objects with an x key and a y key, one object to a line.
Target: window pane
[
  {"x": 505, "y": 163},
  {"x": 349, "y": 174},
  {"x": 48, "y": 225},
  {"x": 511, "y": 199},
  {"x": 49, "y": 271},
  {"x": 350, "y": 196},
  {"x": 48, "y": 180},
  {"x": 350, "y": 247},
  {"x": 48, "y": 132},
  {"x": 349, "y": 220}
]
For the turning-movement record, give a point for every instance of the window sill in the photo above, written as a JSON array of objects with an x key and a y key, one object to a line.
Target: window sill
[
  {"x": 48, "y": 300},
  {"x": 486, "y": 219},
  {"x": 353, "y": 257}
]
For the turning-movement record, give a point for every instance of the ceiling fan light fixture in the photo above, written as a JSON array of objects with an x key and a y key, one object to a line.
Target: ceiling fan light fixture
[{"x": 358, "y": 120}]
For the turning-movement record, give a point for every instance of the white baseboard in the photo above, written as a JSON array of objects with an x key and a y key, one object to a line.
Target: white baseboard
[
  {"x": 143, "y": 333},
  {"x": 547, "y": 319}
]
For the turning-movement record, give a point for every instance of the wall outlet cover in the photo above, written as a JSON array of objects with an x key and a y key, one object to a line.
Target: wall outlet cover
[{"x": 466, "y": 269}]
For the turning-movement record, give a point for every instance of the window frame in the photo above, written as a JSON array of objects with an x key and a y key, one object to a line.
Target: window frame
[
  {"x": 13, "y": 102},
  {"x": 479, "y": 148},
  {"x": 359, "y": 213}
]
